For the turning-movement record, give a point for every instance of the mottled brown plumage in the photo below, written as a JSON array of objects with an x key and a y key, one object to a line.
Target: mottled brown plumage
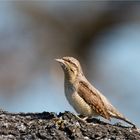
[
  {"x": 92, "y": 99},
  {"x": 84, "y": 98}
]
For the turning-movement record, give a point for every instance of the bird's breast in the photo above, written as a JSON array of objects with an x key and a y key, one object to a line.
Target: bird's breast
[{"x": 77, "y": 102}]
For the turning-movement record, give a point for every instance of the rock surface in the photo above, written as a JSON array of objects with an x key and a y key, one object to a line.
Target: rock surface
[{"x": 65, "y": 126}]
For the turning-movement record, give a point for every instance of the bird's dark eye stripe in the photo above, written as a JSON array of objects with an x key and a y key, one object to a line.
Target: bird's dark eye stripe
[
  {"x": 67, "y": 60},
  {"x": 72, "y": 70}
]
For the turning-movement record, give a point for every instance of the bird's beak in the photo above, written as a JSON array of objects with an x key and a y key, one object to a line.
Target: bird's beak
[{"x": 60, "y": 61}]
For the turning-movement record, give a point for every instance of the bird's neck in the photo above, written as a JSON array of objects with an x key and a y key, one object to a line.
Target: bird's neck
[{"x": 70, "y": 78}]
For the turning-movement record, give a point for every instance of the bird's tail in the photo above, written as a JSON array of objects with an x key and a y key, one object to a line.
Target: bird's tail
[
  {"x": 114, "y": 113},
  {"x": 118, "y": 115}
]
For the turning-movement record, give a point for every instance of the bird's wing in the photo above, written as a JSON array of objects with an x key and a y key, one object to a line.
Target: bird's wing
[{"x": 92, "y": 97}]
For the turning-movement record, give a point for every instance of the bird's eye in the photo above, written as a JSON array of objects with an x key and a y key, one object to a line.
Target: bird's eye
[{"x": 71, "y": 70}]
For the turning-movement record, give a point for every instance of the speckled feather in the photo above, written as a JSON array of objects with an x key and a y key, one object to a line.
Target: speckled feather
[{"x": 93, "y": 99}]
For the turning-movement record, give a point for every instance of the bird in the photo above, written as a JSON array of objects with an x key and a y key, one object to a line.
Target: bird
[{"x": 83, "y": 96}]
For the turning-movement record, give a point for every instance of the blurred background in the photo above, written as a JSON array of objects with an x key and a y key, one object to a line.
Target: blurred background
[{"x": 103, "y": 36}]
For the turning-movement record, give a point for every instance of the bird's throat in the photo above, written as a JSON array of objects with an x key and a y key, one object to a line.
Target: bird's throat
[{"x": 70, "y": 78}]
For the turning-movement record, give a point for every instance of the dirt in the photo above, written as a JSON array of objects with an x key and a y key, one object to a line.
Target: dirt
[{"x": 62, "y": 126}]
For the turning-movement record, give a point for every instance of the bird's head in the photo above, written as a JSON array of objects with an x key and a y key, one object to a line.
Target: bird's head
[{"x": 71, "y": 67}]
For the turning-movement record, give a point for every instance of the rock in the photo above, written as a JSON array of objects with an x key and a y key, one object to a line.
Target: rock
[{"x": 65, "y": 126}]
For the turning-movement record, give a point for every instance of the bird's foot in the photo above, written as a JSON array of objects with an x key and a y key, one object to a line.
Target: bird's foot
[{"x": 83, "y": 120}]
